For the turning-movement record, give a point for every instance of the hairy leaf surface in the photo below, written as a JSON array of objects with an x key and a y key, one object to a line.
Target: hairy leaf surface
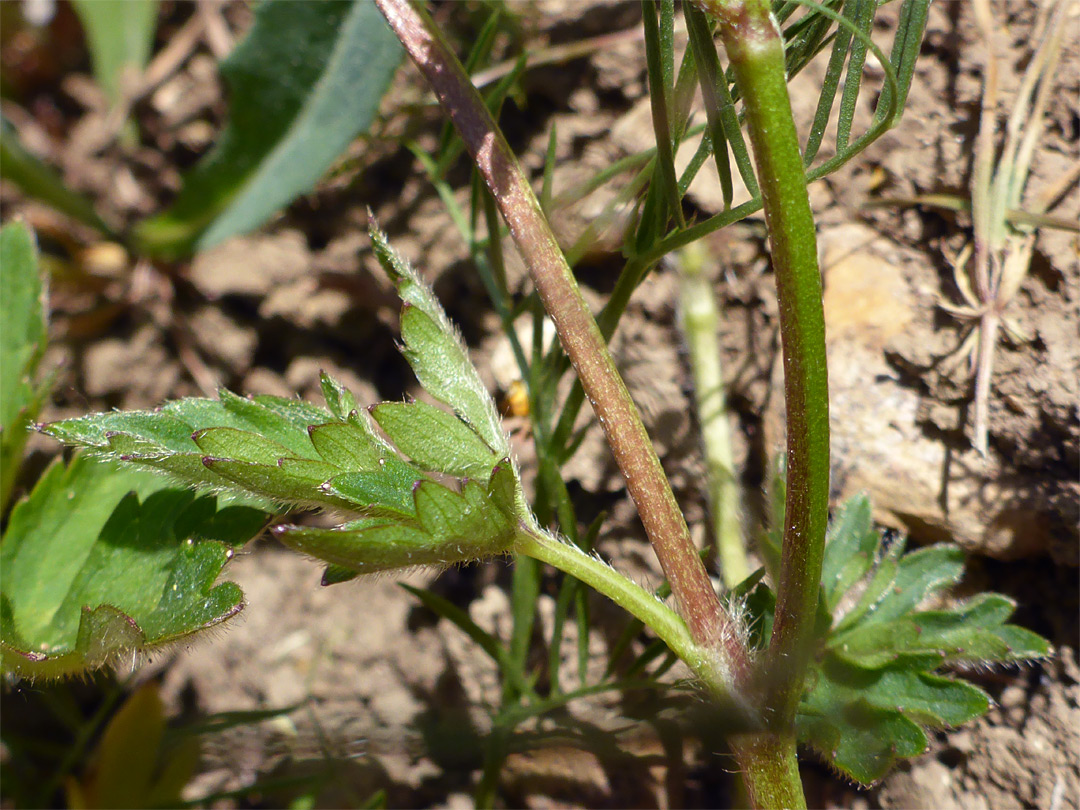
[
  {"x": 101, "y": 561},
  {"x": 876, "y": 684}
]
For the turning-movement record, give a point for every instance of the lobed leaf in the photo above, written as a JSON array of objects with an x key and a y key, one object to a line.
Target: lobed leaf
[
  {"x": 101, "y": 561},
  {"x": 875, "y": 685},
  {"x": 850, "y": 548},
  {"x": 439, "y": 527},
  {"x": 234, "y": 443},
  {"x": 290, "y": 453},
  {"x": 971, "y": 633},
  {"x": 863, "y": 721}
]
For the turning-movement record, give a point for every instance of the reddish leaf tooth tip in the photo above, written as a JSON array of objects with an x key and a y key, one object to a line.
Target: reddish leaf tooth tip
[
  {"x": 406, "y": 305},
  {"x": 371, "y": 408},
  {"x": 416, "y": 484}
]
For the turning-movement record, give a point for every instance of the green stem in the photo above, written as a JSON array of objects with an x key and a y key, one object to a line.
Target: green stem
[
  {"x": 770, "y": 770},
  {"x": 697, "y": 601},
  {"x": 634, "y": 599},
  {"x": 700, "y": 318},
  {"x": 755, "y": 48}
]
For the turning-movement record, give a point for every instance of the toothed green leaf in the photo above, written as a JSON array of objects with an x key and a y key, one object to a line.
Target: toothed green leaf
[
  {"x": 350, "y": 445},
  {"x": 861, "y": 742},
  {"x": 363, "y": 489},
  {"x": 101, "y": 561},
  {"x": 436, "y": 352},
  {"x": 849, "y": 549},
  {"x": 918, "y": 574},
  {"x": 972, "y": 632},
  {"x": 314, "y": 472},
  {"x": 365, "y": 546},
  {"x": 435, "y": 439},
  {"x": 284, "y": 421},
  {"x": 339, "y": 399},
  {"x": 438, "y": 527},
  {"x": 239, "y": 445},
  {"x": 881, "y": 579},
  {"x": 875, "y": 683},
  {"x": 272, "y": 482},
  {"x": 863, "y": 721},
  {"x": 294, "y": 454}
]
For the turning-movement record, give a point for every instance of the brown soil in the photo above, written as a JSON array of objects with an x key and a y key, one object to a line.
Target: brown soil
[{"x": 404, "y": 699}]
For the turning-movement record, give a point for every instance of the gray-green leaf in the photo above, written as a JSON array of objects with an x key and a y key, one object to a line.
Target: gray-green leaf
[{"x": 306, "y": 80}]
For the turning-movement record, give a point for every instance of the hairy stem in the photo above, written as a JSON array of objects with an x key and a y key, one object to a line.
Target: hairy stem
[
  {"x": 755, "y": 48},
  {"x": 770, "y": 770},
  {"x": 635, "y": 600},
  {"x": 581, "y": 338}
]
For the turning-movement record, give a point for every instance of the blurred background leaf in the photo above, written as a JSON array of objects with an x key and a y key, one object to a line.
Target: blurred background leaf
[
  {"x": 120, "y": 34},
  {"x": 306, "y": 80}
]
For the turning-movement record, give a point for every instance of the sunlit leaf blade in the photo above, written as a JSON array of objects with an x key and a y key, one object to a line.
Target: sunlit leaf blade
[
  {"x": 974, "y": 632},
  {"x": 228, "y": 442},
  {"x": 435, "y": 439},
  {"x": 393, "y": 490},
  {"x": 233, "y": 443},
  {"x": 339, "y": 399},
  {"x": 436, "y": 352},
  {"x": 306, "y": 80},
  {"x": 348, "y": 445},
  {"x": 919, "y": 573},
  {"x": 103, "y": 561},
  {"x": 290, "y": 453},
  {"x": 440, "y": 527},
  {"x": 24, "y": 315}
]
